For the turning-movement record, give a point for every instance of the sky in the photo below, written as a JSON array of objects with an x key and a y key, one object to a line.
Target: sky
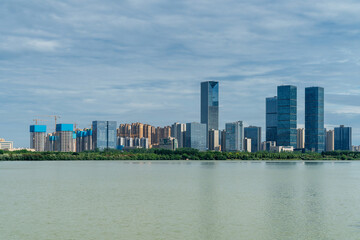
[{"x": 143, "y": 60}]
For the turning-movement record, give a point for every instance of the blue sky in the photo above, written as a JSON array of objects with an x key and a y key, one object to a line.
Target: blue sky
[{"x": 143, "y": 60}]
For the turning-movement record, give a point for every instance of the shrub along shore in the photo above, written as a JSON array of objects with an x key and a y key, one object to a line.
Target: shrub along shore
[{"x": 179, "y": 154}]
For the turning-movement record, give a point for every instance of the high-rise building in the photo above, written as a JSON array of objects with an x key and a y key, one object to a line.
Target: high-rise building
[
  {"x": 178, "y": 131},
  {"x": 330, "y": 141},
  {"x": 210, "y": 105},
  {"x": 104, "y": 135},
  {"x": 253, "y": 133},
  {"x": 84, "y": 140},
  {"x": 196, "y": 136},
  {"x": 64, "y": 138},
  {"x": 343, "y": 138},
  {"x": 234, "y": 136},
  {"x": 50, "y": 145},
  {"x": 314, "y": 119},
  {"x": 170, "y": 143},
  {"x": 300, "y": 139},
  {"x": 266, "y": 146},
  {"x": 287, "y": 115},
  {"x": 223, "y": 140},
  {"x": 37, "y": 137},
  {"x": 271, "y": 119},
  {"x": 214, "y": 140},
  {"x": 247, "y": 144}
]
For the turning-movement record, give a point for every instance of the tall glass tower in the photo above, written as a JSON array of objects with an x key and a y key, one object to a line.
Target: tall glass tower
[
  {"x": 287, "y": 115},
  {"x": 314, "y": 119},
  {"x": 343, "y": 138},
  {"x": 234, "y": 139},
  {"x": 210, "y": 105},
  {"x": 271, "y": 119},
  {"x": 104, "y": 134}
]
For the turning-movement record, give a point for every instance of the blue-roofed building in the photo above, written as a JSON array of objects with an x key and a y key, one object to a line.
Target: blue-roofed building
[
  {"x": 84, "y": 140},
  {"x": 38, "y": 137},
  {"x": 64, "y": 138}
]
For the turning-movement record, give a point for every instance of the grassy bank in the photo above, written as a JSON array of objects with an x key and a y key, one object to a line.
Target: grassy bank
[{"x": 180, "y": 154}]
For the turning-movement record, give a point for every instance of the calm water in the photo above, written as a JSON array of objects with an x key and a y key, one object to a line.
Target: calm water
[{"x": 179, "y": 200}]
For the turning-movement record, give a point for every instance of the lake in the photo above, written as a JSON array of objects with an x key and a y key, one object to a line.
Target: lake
[{"x": 109, "y": 200}]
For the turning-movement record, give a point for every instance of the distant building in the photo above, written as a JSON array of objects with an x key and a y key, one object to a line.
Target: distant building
[
  {"x": 247, "y": 144},
  {"x": 50, "y": 142},
  {"x": 314, "y": 119},
  {"x": 254, "y": 133},
  {"x": 278, "y": 149},
  {"x": 266, "y": 146},
  {"x": 271, "y": 119},
  {"x": 84, "y": 140},
  {"x": 6, "y": 145},
  {"x": 64, "y": 138},
  {"x": 178, "y": 131},
  {"x": 37, "y": 137},
  {"x": 210, "y": 105},
  {"x": 196, "y": 136},
  {"x": 169, "y": 143},
  {"x": 234, "y": 136},
  {"x": 104, "y": 135},
  {"x": 214, "y": 140},
  {"x": 223, "y": 140},
  {"x": 300, "y": 141},
  {"x": 330, "y": 141},
  {"x": 343, "y": 138},
  {"x": 287, "y": 115}
]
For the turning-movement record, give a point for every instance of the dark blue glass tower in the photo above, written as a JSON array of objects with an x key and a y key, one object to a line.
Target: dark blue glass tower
[
  {"x": 314, "y": 119},
  {"x": 210, "y": 105},
  {"x": 271, "y": 119},
  {"x": 287, "y": 115},
  {"x": 343, "y": 138},
  {"x": 104, "y": 134},
  {"x": 254, "y": 133}
]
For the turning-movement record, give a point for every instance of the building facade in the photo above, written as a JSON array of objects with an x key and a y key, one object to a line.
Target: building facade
[
  {"x": 271, "y": 119},
  {"x": 314, "y": 119},
  {"x": 64, "y": 138},
  {"x": 234, "y": 136},
  {"x": 196, "y": 136},
  {"x": 343, "y": 138},
  {"x": 300, "y": 139},
  {"x": 84, "y": 140},
  {"x": 214, "y": 137},
  {"x": 104, "y": 135},
  {"x": 287, "y": 115},
  {"x": 330, "y": 141},
  {"x": 247, "y": 144},
  {"x": 253, "y": 133},
  {"x": 178, "y": 131},
  {"x": 37, "y": 137},
  {"x": 210, "y": 105},
  {"x": 6, "y": 145}
]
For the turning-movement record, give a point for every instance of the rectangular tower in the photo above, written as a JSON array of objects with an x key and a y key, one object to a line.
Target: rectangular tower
[
  {"x": 37, "y": 137},
  {"x": 210, "y": 105},
  {"x": 314, "y": 119},
  {"x": 64, "y": 141},
  {"x": 287, "y": 115},
  {"x": 343, "y": 138},
  {"x": 104, "y": 135},
  {"x": 196, "y": 136},
  {"x": 253, "y": 133},
  {"x": 234, "y": 136},
  {"x": 330, "y": 139},
  {"x": 300, "y": 141},
  {"x": 271, "y": 119}
]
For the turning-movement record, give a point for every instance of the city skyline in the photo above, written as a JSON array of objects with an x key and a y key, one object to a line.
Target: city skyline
[{"x": 142, "y": 61}]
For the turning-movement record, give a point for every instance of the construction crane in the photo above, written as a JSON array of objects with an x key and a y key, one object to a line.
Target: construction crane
[
  {"x": 51, "y": 116},
  {"x": 38, "y": 120}
]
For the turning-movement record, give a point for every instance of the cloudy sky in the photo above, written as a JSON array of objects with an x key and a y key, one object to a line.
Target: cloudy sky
[{"x": 143, "y": 60}]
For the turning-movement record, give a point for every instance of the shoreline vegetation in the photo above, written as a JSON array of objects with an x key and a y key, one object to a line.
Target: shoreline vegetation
[{"x": 179, "y": 154}]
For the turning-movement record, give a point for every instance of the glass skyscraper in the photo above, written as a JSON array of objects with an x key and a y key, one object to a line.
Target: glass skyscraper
[
  {"x": 254, "y": 133},
  {"x": 234, "y": 139},
  {"x": 314, "y": 119},
  {"x": 195, "y": 136},
  {"x": 271, "y": 119},
  {"x": 210, "y": 105},
  {"x": 343, "y": 138},
  {"x": 287, "y": 115},
  {"x": 104, "y": 134}
]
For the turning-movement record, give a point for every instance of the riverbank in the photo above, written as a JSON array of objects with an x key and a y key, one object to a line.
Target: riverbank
[{"x": 179, "y": 154}]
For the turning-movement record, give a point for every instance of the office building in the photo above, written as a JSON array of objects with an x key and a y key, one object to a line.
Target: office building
[
  {"x": 271, "y": 119},
  {"x": 214, "y": 140},
  {"x": 247, "y": 144},
  {"x": 300, "y": 140},
  {"x": 6, "y": 145},
  {"x": 178, "y": 131},
  {"x": 234, "y": 136},
  {"x": 210, "y": 105},
  {"x": 343, "y": 138},
  {"x": 330, "y": 141},
  {"x": 223, "y": 140},
  {"x": 104, "y": 135},
  {"x": 169, "y": 143},
  {"x": 196, "y": 136},
  {"x": 266, "y": 146},
  {"x": 37, "y": 137},
  {"x": 254, "y": 133},
  {"x": 287, "y": 115},
  {"x": 314, "y": 119},
  {"x": 64, "y": 138}
]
